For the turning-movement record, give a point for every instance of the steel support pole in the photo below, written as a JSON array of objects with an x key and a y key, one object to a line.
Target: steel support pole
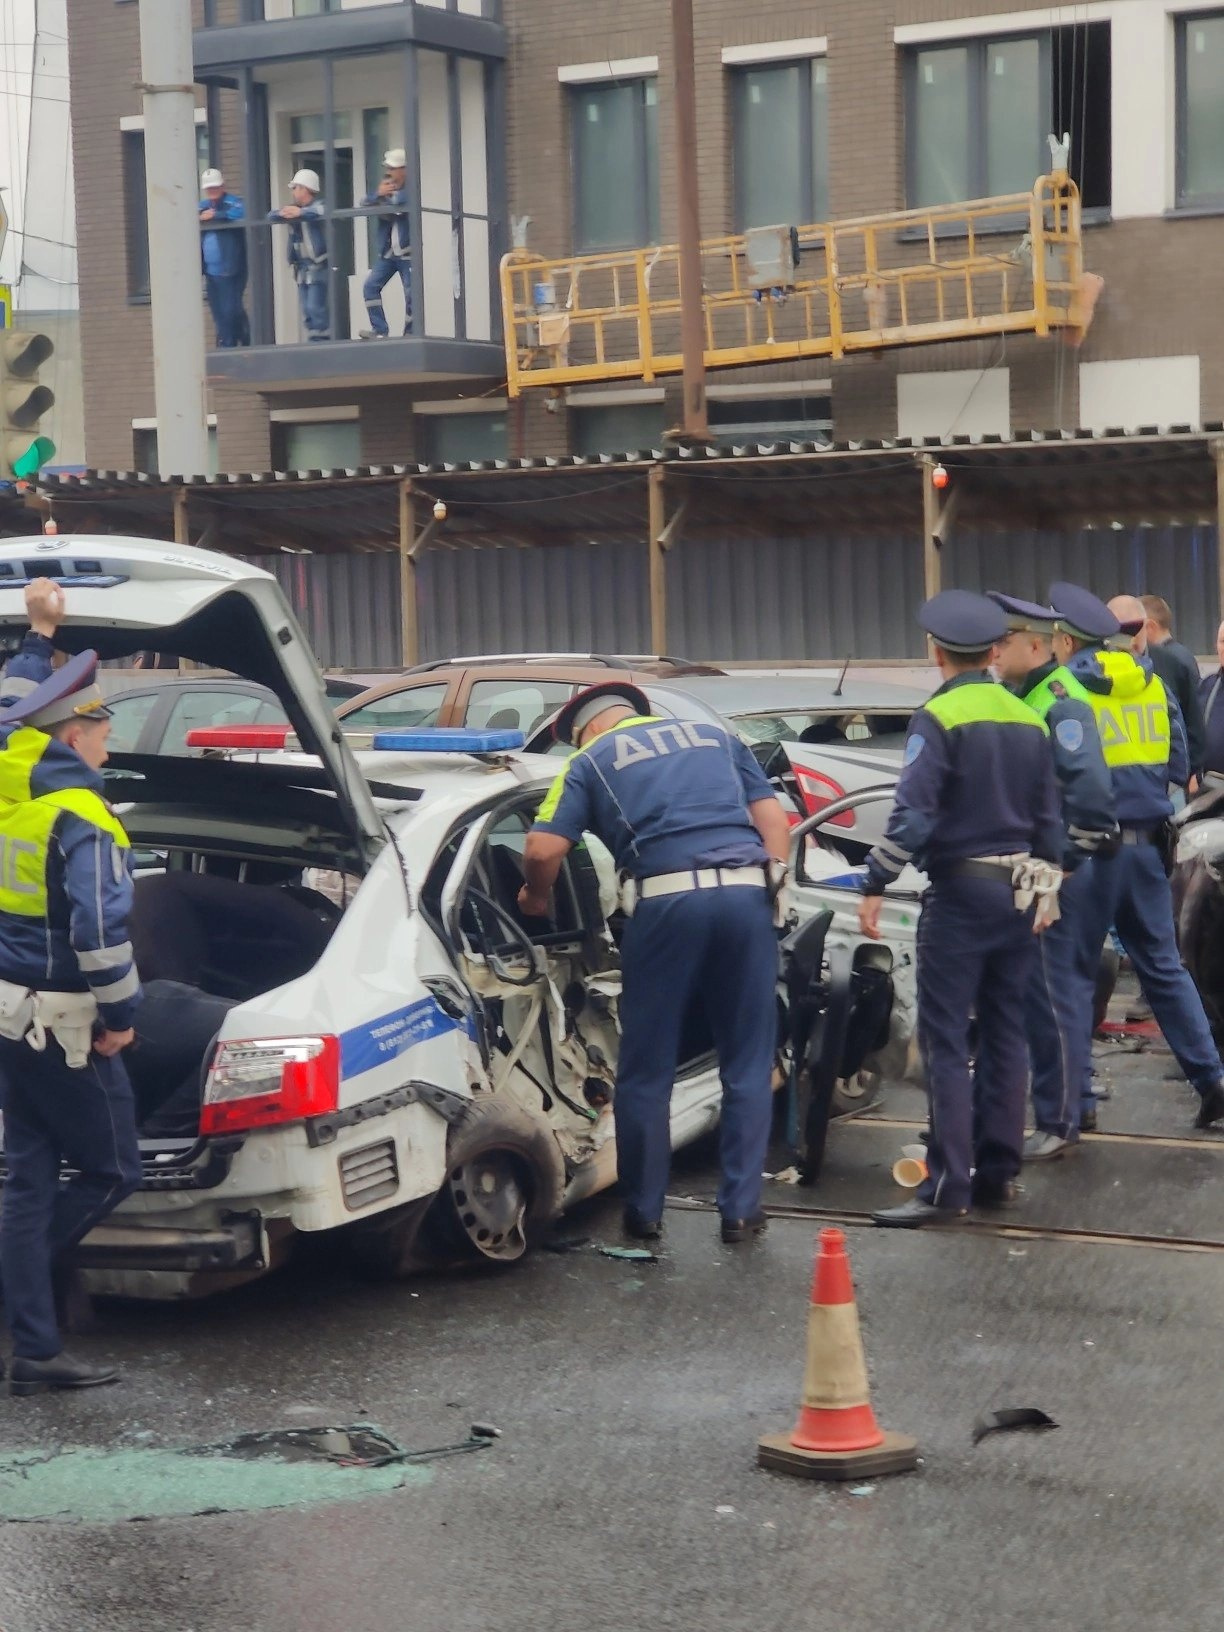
[
  {"x": 658, "y": 559},
  {"x": 932, "y": 564},
  {"x": 410, "y": 636},
  {"x": 182, "y": 527},
  {"x": 695, "y": 423},
  {"x": 174, "y": 236}
]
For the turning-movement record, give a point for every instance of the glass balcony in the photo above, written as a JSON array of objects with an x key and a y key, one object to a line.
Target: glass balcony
[
  {"x": 231, "y": 13},
  {"x": 420, "y": 264}
]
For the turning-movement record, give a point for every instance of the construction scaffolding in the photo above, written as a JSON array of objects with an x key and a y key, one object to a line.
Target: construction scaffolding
[{"x": 777, "y": 294}]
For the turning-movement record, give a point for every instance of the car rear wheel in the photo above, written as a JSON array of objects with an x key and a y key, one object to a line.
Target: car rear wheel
[{"x": 504, "y": 1183}]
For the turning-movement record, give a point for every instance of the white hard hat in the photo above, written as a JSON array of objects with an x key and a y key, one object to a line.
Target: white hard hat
[
  {"x": 395, "y": 158},
  {"x": 212, "y": 178},
  {"x": 306, "y": 178}
]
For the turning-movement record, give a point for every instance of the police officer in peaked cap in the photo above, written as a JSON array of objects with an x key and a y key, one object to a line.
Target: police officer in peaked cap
[
  {"x": 693, "y": 823},
  {"x": 68, "y": 991},
  {"x": 977, "y": 810},
  {"x": 1144, "y": 744},
  {"x": 1062, "y": 992}
]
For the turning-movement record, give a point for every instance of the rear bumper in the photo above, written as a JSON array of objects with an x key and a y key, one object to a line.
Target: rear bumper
[{"x": 239, "y": 1243}]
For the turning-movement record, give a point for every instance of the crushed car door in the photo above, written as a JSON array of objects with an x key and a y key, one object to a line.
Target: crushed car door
[{"x": 549, "y": 987}]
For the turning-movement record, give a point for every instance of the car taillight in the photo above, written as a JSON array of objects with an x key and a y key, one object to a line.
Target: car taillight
[
  {"x": 818, "y": 791},
  {"x": 272, "y": 1080}
]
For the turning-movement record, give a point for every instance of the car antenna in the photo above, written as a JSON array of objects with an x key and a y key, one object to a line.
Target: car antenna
[{"x": 841, "y": 679}]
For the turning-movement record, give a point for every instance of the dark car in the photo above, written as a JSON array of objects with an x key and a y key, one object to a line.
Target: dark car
[{"x": 155, "y": 718}]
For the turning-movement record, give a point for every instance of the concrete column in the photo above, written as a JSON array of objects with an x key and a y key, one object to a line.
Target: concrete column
[{"x": 174, "y": 235}]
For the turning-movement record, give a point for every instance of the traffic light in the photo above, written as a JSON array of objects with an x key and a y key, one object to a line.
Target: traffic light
[{"x": 23, "y": 402}]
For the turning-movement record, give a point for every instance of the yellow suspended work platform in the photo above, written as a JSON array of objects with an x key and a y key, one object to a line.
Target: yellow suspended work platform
[{"x": 1008, "y": 265}]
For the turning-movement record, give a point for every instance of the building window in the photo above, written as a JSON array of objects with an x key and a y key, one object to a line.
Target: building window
[
  {"x": 979, "y": 113},
  {"x": 617, "y": 427},
  {"x": 1200, "y": 110},
  {"x": 144, "y": 453},
  {"x": 135, "y": 204},
  {"x": 318, "y": 444},
  {"x": 314, "y": 8},
  {"x": 461, "y": 439},
  {"x": 770, "y": 419},
  {"x": 781, "y": 121},
  {"x": 615, "y": 164}
]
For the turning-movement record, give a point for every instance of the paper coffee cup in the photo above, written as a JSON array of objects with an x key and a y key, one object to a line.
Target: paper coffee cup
[{"x": 910, "y": 1168}]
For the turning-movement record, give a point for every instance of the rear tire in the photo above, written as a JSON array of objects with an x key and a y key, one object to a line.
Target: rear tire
[{"x": 504, "y": 1182}]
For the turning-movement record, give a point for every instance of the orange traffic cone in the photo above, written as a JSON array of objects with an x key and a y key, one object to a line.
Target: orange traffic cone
[{"x": 837, "y": 1435}]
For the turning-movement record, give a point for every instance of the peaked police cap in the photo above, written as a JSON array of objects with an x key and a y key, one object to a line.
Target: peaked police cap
[
  {"x": 585, "y": 706},
  {"x": 961, "y": 621},
  {"x": 1082, "y": 614},
  {"x": 72, "y": 692},
  {"x": 1027, "y": 615}
]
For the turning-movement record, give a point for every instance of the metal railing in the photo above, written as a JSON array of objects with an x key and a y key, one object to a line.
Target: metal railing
[{"x": 913, "y": 276}]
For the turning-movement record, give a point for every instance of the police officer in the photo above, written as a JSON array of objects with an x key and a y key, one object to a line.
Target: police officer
[
  {"x": 977, "y": 810},
  {"x": 1145, "y": 749},
  {"x": 1064, "y": 970},
  {"x": 68, "y": 990},
  {"x": 692, "y": 822},
  {"x": 394, "y": 257},
  {"x": 308, "y": 251}
]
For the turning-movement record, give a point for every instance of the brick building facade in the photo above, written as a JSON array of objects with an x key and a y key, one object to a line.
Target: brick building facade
[{"x": 868, "y": 104}]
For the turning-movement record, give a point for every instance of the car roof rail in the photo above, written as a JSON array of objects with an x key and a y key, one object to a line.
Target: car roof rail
[{"x": 608, "y": 660}]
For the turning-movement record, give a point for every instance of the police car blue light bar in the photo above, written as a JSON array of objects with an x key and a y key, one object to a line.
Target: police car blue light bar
[{"x": 448, "y": 740}]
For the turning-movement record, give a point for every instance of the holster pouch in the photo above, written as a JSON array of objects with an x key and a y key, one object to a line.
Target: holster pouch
[
  {"x": 1165, "y": 840},
  {"x": 16, "y": 1010},
  {"x": 776, "y": 875},
  {"x": 70, "y": 1017},
  {"x": 1037, "y": 882}
]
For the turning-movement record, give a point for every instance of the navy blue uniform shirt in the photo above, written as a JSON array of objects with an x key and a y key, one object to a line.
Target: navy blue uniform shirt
[
  {"x": 978, "y": 780},
  {"x": 1079, "y": 765},
  {"x": 663, "y": 795}
]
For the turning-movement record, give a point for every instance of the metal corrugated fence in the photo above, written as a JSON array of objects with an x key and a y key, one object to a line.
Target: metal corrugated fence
[
  {"x": 769, "y": 599},
  {"x": 1180, "y": 563}
]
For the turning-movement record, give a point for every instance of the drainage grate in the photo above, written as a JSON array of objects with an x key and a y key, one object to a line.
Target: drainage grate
[{"x": 369, "y": 1175}]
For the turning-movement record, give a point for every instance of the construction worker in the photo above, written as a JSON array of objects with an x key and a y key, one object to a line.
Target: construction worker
[
  {"x": 692, "y": 822},
  {"x": 394, "y": 257},
  {"x": 1061, "y": 993},
  {"x": 977, "y": 809},
  {"x": 224, "y": 259},
  {"x": 308, "y": 251},
  {"x": 1145, "y": 749},
  {"x": 68, "y": 992}
]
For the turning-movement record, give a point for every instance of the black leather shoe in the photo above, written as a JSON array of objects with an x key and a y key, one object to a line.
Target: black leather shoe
[
  {"x": 913, "y": 1214},
  {"x": 38, "y": 1376},
  {"x": 743, "y": 1229},
  {"x": 1211, "y": 1110},
  {"x": 642, "y": 1229}
]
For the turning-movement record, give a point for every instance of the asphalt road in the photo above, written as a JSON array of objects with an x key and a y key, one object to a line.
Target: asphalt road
[{"x": 623, "y": 1493}]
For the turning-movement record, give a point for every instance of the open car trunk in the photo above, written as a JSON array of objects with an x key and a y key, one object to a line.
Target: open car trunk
[
  {"x": 126, "y": 595},
  {"x": 228, "y": 856}
]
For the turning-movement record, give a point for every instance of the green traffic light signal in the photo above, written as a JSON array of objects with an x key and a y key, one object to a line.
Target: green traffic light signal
[
  {"x": 23, "y": 402},
  {"x": 40, "y": 451}
]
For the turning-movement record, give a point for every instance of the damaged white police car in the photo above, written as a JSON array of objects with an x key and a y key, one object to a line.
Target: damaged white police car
[{"x": 398, "y": 1054}]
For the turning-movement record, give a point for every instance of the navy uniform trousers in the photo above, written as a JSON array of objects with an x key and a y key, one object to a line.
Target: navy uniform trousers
[
  {"x": 718, "y": 946},
  {"x": 51, "y": 1113},
  {"x": 975, "y": 956},
  {"x": 1130, "y": 891},
  {"x": 1062, "y": 991}
]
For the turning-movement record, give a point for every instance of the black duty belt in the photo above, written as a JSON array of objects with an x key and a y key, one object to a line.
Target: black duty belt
[
  {"x": 995, "y": 872},
  {"x": 1146, "y": 834}
]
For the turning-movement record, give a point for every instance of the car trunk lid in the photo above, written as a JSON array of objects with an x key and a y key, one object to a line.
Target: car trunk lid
[{"x": 125, "y": 595}]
